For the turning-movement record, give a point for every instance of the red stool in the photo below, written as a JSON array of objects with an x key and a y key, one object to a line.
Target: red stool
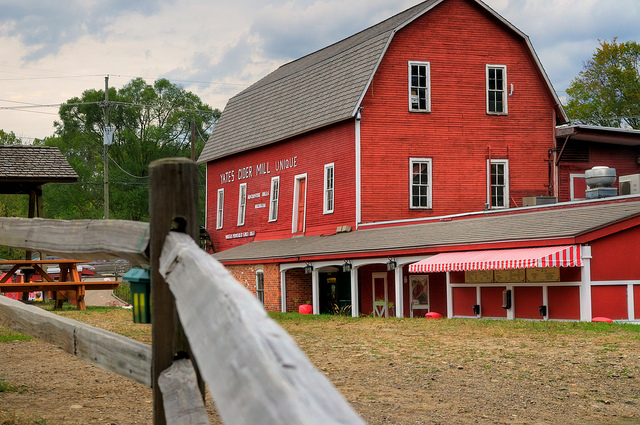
[{"x": 305, "y": 309}]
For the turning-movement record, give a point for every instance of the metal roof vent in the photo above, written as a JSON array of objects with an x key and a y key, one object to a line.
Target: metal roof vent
[{"x": 599, "y": 180}]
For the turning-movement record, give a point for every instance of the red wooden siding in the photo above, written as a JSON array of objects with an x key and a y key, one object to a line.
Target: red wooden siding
[
  {"x": 564, "y": 302},
  {"x": 491, "y": 302},
  {"x": 463, "y": 301},
  {"x": 526, "y": 302},
  {"x": 459, "y": 40},
  {"x": 622, "y": 158},
  {"x": 615, "y": 257},
  {"x": 335, "y": 144},
  {"x": 609, "y": 301}
]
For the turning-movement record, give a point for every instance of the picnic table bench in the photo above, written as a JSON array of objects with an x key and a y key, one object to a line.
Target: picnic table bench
[{"x": 69, "y": 285}]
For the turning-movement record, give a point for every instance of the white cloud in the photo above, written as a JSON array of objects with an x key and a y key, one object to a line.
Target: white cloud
[{"x": 216, "y": 49}]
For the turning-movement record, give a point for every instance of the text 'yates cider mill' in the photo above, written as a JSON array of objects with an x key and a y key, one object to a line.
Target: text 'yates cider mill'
[{"x": 259, "y": 170}]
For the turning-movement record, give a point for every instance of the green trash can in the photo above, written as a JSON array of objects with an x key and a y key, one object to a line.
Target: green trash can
[{"x": 140, "y": 284}]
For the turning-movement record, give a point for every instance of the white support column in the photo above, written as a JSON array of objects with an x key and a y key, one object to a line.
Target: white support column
[
  {"x": 399, "y": 292},
  {"x": 449, "y": 296},
  {"x": 630, "y": 304},
  {"x": 315, "y": 291},
  {"x": 283, "y": 291},
  {"x": 585, "y": 285},
  {"x": 511, "y": 312},
  {"x": 355, "y": 294},
  {"x": 545, "y": 300}
]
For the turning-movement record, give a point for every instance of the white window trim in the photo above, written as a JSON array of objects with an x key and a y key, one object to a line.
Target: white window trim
[
  {"x": 273, "y": 206},
  {"x": 428, "y": 99},
  {"x": 325, "y": 207},
  {"x": 242, "y": 203},
  {"x": 571, "y": 185},
  {"x": 257, "y": 291},
  {"x": 296, "y": 199},
  {"x": 430, "y": 187},
  {"x": 220, "y": 209},
  {"x": 506, "y": 182},
  {"x": 505, "y": 109}
]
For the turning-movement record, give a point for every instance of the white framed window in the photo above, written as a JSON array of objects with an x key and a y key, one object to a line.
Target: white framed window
[
  {"x": 242, "y": 203},
  {"x": 419, "y": 87},
  {"x": 498, "y": 183},
  {"x": 420, "y": 182},
  {"x": 497, "y": 89},
  {"x": 260, "y": 286},
  {"x": 220, "y": 209},
  {"x": 273, "y": 199},
  {"x": 329, "y": 181}
]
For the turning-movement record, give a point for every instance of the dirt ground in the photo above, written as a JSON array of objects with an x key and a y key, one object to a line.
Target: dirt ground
[{"x": 392, "y": 371}]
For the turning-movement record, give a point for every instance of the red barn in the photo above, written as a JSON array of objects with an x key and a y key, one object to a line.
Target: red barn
[
  {"x": 432, "y": 114},
  {"x": 415, "y": 117}
]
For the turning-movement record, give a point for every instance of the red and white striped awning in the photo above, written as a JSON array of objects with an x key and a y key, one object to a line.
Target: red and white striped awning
[{"x": 501, "y": 259}]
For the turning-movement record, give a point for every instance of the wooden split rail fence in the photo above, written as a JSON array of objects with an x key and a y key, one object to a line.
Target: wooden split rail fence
[{"x": 219, "y": 334}]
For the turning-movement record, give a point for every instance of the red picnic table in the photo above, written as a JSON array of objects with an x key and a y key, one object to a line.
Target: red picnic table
[{"x": 69, "y": 285}]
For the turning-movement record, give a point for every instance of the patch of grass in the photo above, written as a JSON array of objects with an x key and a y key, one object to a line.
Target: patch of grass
[
  {"x": 7, "y": 335},
  {"x": 123, "y": 291},
  {"x": 7, "y": 387}
]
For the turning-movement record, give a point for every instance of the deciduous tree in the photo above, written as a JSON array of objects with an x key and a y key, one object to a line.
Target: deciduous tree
[
  {"x": 151, "y": 121},
  {"x": 607, "y": 90}
]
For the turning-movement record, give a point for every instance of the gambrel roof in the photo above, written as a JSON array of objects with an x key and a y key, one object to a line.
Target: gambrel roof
[{"x": 317, "y": 90}]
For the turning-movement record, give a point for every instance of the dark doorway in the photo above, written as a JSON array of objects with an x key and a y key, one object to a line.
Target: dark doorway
[{"x": 335, "y": 292}]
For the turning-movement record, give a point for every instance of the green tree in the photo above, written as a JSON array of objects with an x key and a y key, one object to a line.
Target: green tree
[
  {"x": 150, "y": 121},
  {"x": 9, "y": 138},
  {"x": 607, "y": 90}
]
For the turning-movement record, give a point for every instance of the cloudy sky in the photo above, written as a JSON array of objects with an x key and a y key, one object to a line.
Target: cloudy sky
[{"x": 52, "y": 51}]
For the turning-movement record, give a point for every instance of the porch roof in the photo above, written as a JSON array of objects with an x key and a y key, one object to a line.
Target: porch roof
[{"x": 500, "y": 259}]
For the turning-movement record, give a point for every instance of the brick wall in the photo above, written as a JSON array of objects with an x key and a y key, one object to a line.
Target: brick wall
[
  {"x": 298, "y": 289},
  {"x": 246, "y": 275}
]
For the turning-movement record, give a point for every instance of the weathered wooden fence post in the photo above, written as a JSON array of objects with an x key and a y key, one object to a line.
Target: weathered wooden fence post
[{"x": 173, "y": 204}]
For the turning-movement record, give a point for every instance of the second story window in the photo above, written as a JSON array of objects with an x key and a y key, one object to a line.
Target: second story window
[
  {"x": 220, "y": 209},
  {"x": 420, "y": 181},
  {"x": 419, "y": 87},
  {"x": 242, "y": 204},
  {"x": 497, "y": 89},
  {"x": 273, "y": 200},
  {"x": 328, "y": 188}
]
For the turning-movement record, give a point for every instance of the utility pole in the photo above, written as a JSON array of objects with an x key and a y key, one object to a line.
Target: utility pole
[
  {"x": 106, "y": 148},
  {"x": 193, "y": 140}
]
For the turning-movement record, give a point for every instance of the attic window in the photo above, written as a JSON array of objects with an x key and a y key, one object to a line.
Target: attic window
[{"x": 419, "y": 87}]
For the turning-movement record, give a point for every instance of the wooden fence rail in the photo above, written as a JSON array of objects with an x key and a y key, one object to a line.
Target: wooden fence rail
[
  {"x": 81, "y": 239},
  {"x": 255, "y": 372},
  {"x": 110, "y": 351}
]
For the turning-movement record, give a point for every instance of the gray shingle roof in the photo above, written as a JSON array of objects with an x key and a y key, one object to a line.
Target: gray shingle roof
[
  {"x": 316, "y": 90},
  {"x": 538, "y": 225},
  {"x": 35, "y": 164}
]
